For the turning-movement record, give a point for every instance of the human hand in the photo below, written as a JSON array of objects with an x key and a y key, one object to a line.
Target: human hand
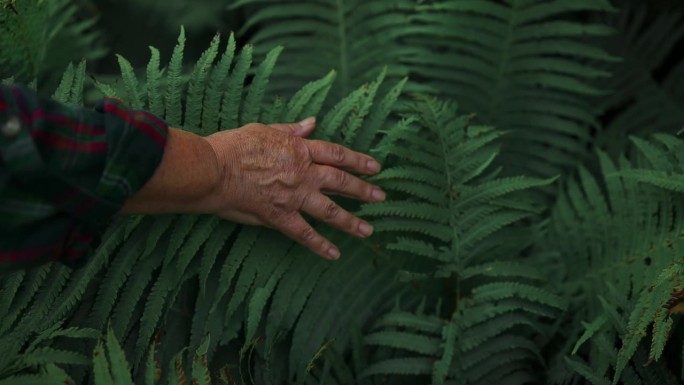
[{"x": 269, "y": 174}]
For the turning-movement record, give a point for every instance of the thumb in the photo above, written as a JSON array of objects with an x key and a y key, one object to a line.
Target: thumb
[{"x": 301, "y": 129}]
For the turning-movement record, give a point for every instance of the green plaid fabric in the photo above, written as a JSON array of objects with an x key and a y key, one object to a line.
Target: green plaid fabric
[{"x": 65, "y": 172}]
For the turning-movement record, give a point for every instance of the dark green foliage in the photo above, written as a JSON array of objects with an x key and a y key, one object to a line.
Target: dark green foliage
[
  {"x": 357, "y": 38},
  {"x": 533, "y": 235},
  {"x": 484, "y": 331},
  {"x": 622, "y": 234},
  {"x": 647, "y": 85},
  {"x": 41, "y": 36}
]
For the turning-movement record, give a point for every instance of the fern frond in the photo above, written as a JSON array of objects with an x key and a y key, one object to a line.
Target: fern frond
[
  {"x": 512, "y": 57},
  {"x": 37, "y": 38},
  {"x": 354, "y": 37},
  {"x": 215, "y": 89},
  {"x": 131, "y": 84},
  {"x": 231, "y": 100},
  {"x": 173, "y": 108},
  {"x": 622, "y": 228},
  {"x": 255, "y": 95},
  {"x": 197, "y": 84},
  {"x": 647, "y": 99}
]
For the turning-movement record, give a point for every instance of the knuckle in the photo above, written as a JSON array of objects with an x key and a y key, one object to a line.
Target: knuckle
[
  {"x": 275, "y": 214},
  {"x": 341, "y": 178},
  {"x": 301, "y": 150},
  {"x": 332, "y": 210},
  {"x": 307, "y": 234},
  {"x": 338, "y": 154}
]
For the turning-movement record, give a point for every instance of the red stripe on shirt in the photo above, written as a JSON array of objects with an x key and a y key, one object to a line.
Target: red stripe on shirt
[
  {"x": 77, "y": 126},
  {"x": 154, "y": 118},
  {"x": 27, "y": 255},
  {"x": 143, "y": 126},
  {"x": 3, "y": 106},
  {"x": 19, "y": 99},
  {"x": 67, "y": 143}
]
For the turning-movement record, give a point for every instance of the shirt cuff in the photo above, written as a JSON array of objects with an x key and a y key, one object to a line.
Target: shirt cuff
[
  {"x": 70, "y": 170},
  {"x": 135, "y": 142}
]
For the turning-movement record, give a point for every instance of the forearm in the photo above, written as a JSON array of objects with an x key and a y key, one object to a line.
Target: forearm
[{"x": 185, "y": 181}]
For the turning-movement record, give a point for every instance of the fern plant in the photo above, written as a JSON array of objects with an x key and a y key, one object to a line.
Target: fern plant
[
  {"x": 357, "y": 38},
  {"x": 646, "y": 87},
  {"x": 111, "y": 367},
  {"x": 462, "y": 220},
  {"x": 521, "y": 66},
  {"x": 469, "y": 278},
  {"x": 620, "y": 235},
  {"x": 39, "y": 37},
  {"x": 197, "y": 276}
]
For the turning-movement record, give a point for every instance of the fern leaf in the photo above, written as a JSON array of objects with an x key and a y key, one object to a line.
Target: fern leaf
[
  {"x": 132, "y": 294},
  {"x": 175, "y": 84},
  {"x": 202, "y": 230},
  {"x": 502, "y": 269},
  {"x": 355, "y": 121},
  {"x": 46, "y": 355},
  {"x": 179, "y": 235},
  {"x": 153, "y": 311},
  {"x": 153, "y": 77},
  {"x": 200, "y": 370},
  {"x": 231, "y": 100},
  {"x": 77, "y": 86},
  {"x": 121, "y": 372},
  {"x": 500, "y": 290},
  {"x": 661, "y": 332},
  {"x": 257, "y": 89},
  {"x": 63, "y": 91},
  {"x": 590, "y": 329},
  {"x": 215, "y": 89},
  {"x": 290, "y": 297},
  {"x": 130, "y": 83},
  {"x": 213, "y": 246},
  {"x": 304, "y": 96},
  {"x": 382, "y": 110},
  {"x": 101, "y": 369},
  {"x": 404, "y": 366},
  {"x": 261, "y": 295},
  {"x": 117, "y": 275},
  {"x": 441, "y": 368},
  {"x": 196, "y": 87},
  {"x": 408, "y": 341}
]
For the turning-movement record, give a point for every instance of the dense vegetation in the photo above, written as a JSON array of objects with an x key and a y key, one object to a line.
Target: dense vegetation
[{"x": 534, "y": 226}]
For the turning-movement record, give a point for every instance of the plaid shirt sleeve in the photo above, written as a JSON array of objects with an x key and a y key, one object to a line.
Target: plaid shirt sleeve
[{"x": 66, "y": 171}]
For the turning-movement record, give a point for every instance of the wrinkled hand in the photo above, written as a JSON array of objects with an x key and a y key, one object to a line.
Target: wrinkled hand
[{"x": 271, "y": 173}]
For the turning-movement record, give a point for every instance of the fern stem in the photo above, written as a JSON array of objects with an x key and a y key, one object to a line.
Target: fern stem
[
  {"x": 504, "y": 59},
  {"x": 344, "y": 70}
]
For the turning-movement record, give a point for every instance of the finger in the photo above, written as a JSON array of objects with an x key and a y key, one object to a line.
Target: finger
[
  {"x": 296, "y": 228},
  {"x": 301, "y": 129},
  {"x": 339, "y": 182},
  {"x": 339, "y": 156},
  {"x": 325, "y": 209}
]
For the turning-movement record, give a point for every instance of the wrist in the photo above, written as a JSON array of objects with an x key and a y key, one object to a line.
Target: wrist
[{"x": 187, "y": 180}]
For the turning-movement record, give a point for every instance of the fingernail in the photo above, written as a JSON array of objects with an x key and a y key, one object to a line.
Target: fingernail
[
  {"x": 365, "y": 229},
  {"x": 333, "y": 253},
  {"x": 308, "y": 123},
  {"x": 373, "y": 166},
  {"x": 378, "y": 195}
]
